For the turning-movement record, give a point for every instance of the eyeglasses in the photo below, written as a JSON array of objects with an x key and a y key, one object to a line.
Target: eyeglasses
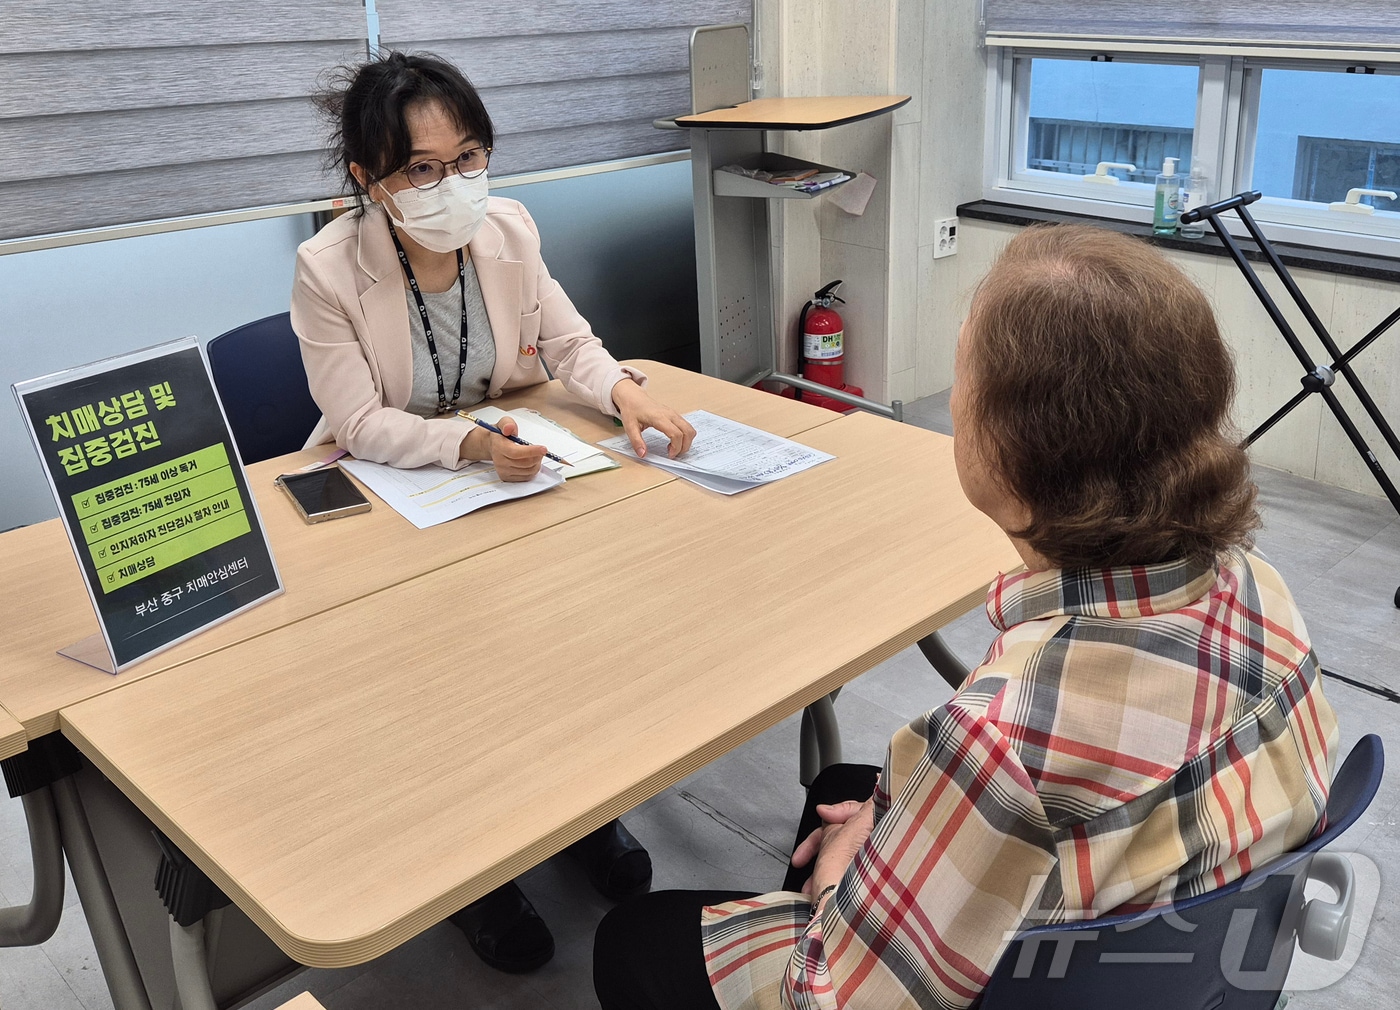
[{"x": 429, "y": 172}]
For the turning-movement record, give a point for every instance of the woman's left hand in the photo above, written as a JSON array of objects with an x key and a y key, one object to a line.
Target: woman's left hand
[{"x": 639, "y": 412}]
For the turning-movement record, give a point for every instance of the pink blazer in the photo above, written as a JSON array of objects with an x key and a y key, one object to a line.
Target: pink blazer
[{"x": 351, "y": 318}]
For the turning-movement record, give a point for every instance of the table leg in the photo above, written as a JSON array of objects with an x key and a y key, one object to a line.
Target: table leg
[
  {"x": 32, "y": 924},
  {"x": 821, "y": 734},
  {"x": 821, "y": 738},
  {"x": 95, "y": 892},
  {"x": 942, "y": 659},
  {"x": 809, "y": 761},
  {"x": 191, "y": 959}
]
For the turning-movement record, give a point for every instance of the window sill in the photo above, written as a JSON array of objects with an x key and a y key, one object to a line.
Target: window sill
[{"x": 1293, "y": 256}]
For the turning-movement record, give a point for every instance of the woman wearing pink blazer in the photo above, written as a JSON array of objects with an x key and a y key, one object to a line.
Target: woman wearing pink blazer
[
  {"x": 385, "y": 298},
  {"x": 432, "y": 296}
]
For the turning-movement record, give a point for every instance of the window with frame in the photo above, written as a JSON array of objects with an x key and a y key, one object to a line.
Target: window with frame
[
  {"x": 1320, "y": 133},
  {"x": 1304, "y": 108},
  {"x": 1077, "y": 114}
]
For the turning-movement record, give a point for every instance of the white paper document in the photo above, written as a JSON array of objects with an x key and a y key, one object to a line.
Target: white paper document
[
  {"x": 428, "y": 495},
  {"x": 726, "y": 456},
  {"x": 536, "y": 428}
]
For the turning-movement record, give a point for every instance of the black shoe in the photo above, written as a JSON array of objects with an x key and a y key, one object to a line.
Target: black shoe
[
  {"x": 505, "y": 930},
  {"x": 616, "y": 863}
]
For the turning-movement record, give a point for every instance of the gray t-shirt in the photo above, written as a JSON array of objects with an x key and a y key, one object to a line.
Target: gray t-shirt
[{"x": 445, "y": 313}]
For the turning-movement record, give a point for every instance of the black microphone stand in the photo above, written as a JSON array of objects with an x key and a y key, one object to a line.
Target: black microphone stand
[{"x": 1317, "y": 378}]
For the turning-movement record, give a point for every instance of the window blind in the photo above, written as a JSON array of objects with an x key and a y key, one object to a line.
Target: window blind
[
  {"x": 118, "y": 111},
  {"x": 566, "y": 83},
  {"x": 1300, "y": 27}
]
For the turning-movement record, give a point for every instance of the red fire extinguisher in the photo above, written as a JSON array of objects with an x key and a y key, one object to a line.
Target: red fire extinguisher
[{"x": 821, "y": 348}]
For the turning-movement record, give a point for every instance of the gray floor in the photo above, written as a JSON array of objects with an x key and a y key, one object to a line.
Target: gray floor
[{"x": 731, "y": 824}]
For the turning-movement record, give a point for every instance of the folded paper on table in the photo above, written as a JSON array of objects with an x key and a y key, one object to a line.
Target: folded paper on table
[
  {"x": 726, "y": 456},
  {"x": 428, "y": 495},
  {"x": 540, "y": 430}
]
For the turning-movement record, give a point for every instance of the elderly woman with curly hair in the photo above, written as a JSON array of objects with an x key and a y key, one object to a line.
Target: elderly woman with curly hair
[{"x": 1149, "y": 724}]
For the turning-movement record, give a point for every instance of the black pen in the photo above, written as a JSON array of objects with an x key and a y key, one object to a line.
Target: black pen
[{"x": 514, "y": 438}]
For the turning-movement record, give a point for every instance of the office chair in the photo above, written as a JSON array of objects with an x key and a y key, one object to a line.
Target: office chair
[
  {"x": 1229, "y": 949},
  {"x": 257, "y": 369}
]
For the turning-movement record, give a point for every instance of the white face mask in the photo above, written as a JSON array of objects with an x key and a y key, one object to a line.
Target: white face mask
[{"x": 444, "y": 218}]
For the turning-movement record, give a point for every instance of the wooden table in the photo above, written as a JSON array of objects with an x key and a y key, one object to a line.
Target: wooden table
[
  {"x": 814, "y": 113},
  {"x": 352, "y": 779},
  {"x": 329, "y": 564},
  {"x": 305, "y": 1001},
  {"x": 12, "y": 737}
]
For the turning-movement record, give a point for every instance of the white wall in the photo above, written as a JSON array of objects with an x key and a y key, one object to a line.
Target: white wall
[
  {"x": 66, "y": 307},
  {"x": 926, "y": 158},
  {"x": 952, "y": 69},
  {"x": 834, "y": 47}
]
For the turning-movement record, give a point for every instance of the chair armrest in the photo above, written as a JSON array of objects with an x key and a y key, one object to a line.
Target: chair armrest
[{"x": 1325, "y": 925}]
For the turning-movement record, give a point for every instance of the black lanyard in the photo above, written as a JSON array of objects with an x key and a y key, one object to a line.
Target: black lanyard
[{"x": 428, "y": 326}]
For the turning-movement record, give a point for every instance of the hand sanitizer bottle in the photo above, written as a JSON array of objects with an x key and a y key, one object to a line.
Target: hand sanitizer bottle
[
  {"x": 1167, "y": 206},
  {"x": 1196, "y": 194}
]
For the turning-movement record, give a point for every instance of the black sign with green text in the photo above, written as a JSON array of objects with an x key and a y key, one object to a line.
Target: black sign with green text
[{"x": 151, "y": 490}]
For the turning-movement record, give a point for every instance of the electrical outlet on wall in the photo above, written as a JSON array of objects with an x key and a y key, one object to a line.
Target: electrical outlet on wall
[{"x": 946, "y": 237}]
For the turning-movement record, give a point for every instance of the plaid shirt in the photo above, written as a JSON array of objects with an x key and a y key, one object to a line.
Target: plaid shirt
[{"x": 1135, "y": 735}]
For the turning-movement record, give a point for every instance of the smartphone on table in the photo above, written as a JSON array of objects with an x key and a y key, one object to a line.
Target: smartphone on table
[{"x": 323, "y": 494}]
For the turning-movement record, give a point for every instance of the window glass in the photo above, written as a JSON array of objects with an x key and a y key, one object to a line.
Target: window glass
[
  {"x": 1322, "y": 133},
  {"x": 1083, "y": 112}
]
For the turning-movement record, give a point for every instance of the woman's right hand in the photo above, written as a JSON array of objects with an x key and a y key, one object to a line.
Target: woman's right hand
[
  {"x": 514, "y": 462},
  {"x": 833, "y": 847}
]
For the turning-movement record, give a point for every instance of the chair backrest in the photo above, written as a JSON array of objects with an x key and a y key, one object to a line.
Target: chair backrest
[
  {"x": 257, "y": 369},
  {"x": 1228, "y": 949}
]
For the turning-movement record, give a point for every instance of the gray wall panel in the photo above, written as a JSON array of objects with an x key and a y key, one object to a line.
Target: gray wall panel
[
  {"x": 574, "y": 103},
  {"x": 57, "y": 25},
  {"x": 412, "y": 21},
  {"x": 1308, "y": 21},
  {"x": 151, "y": 194},
  {"x": 622, "y": 244},
  {"x": 531, "y": 58},
  {"x": 147, "y": 138},
  {"x": 41, "y": 84},
  {"x": 566, "y": 83},
  {"x": 117, "y": 111},
  {"x": 580, "y": 145}
]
